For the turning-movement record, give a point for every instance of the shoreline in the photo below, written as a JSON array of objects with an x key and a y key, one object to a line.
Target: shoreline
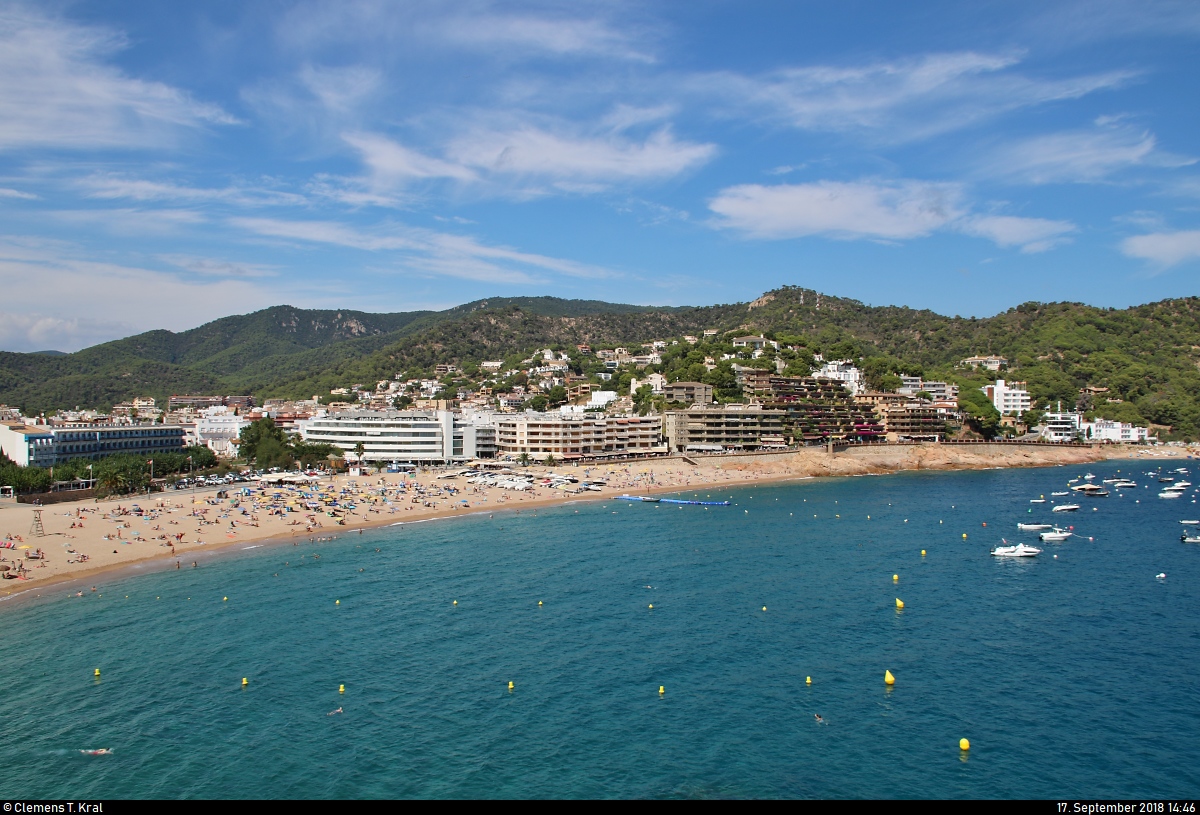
[{"x": 440, "y": 499}]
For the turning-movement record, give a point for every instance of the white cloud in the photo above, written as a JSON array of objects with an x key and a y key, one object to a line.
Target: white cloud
[
  {"x": 391, "y": 163},
  {"x": 1080, "y": 156},
  {"x": 140, "y": 189},
  {"x": 7, "y": 193},
  {"x": 58, "y": 90},
  {"x": 1164, "y": 248},
  {"x": 95, "y": 302},
  {"x": 217, "y": 267},
  {"x": 900, "y": 100},
  {"x": 905, "y": 209},
  {"x": 438, "y": 253},
  {"x": 1031, "y": 234},
  {"x": 558, "y": 36}
]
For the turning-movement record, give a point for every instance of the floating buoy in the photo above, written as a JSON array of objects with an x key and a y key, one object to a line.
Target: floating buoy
[
  {"x": 652, "y": 605},
  {"x": 540, "y": 602},
  {"x": 764, "y": 608},
  {"x": 224, "y": 599},
  {"x": 922, "y": 553},
  {"x": 985, "y": 523},
  {"x": 455, "y": 602},
  {"x": 808, "y": 680},
  {"x": 895, "y": 578},
  {"x": 245, "y": 681},
  {"x": 964, "y": 536},
  {"x": 510, "y": 685},
  {"x": 661, "y": 690},
  {"x": 341, "y": 688},
  {"x": 963, "y": 744},
  {"x": 96, "y": 673},
  {"x": 899, "y": 603},
  {"x": 888, "y": 679},
  {"x": 337, "y": 602}
]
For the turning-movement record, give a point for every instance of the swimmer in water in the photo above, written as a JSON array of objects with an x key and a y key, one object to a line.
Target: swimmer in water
[
  {"x": 104, "y": 751},
  {"x": 334, "y": 712},
  {"x": 817, "y": 716}
]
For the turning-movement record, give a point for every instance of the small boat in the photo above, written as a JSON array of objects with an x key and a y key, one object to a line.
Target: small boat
[
  {"x": 1190, "y": 523},
  {"x": 1020, "y": 550},
  {"x": 1037, "y": 500},
  {"x": 1033, "y": 527},
  {"x": 1166, "y": 479},
  {"x": 1059, "y": 494},
  {"x": 1185, "y": 538},
  {"x": 1170, "y": 494},
  {"x": 1089, "y": 477},
  {"x": 1065, "y": 508},
  {"x": 1183, "y": 485},
  {"x": 1091, "y": 489},
  {"x": 1056, "y": 535}
]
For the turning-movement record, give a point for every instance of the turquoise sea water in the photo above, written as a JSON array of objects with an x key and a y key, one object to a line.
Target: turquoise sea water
[{"x": 1076, "y": 676}]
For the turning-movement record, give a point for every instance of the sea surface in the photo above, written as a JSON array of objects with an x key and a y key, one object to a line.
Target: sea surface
[{"x": 1072, "y": 676}]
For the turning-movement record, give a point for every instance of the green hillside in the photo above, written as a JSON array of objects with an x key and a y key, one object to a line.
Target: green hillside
[{"x": 1146, "y": 355}]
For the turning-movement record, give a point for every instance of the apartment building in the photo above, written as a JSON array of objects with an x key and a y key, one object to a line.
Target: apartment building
[
  {"x": 48, "y": 445},
  {"x": 405, "y": 436},
  {"x": 1010, "y": 398},
  {"x": 715, "y": 428},
  {"x": 689, "y": 393},
  {"x": 574, "y": 436}
]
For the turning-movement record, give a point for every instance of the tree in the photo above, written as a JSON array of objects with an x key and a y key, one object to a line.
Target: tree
[
  {"x": 643, "y": 399},
  {"x": 550, "y": 460},
  {"x": 980, "y": 414},
  {"x": 524, "y": 459},
  {"x": 254, "y": 433},
  {"x": 271, "y": 452},
  {"x": 359, "y": 450}
]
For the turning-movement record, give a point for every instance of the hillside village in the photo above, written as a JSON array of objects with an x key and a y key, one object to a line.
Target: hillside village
[{"x": 704, "y": 394}]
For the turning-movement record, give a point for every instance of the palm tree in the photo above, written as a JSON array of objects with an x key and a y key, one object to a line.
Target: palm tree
[
  {"x": 359, "y": 449},
  {"x": 523, "y": 459},
  {"x": 550, "y": 460}
]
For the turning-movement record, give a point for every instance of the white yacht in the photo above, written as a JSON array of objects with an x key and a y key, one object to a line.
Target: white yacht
[
  {"x": 1190, "y": 523},
  {"x": 1056, "y": 535},
  {"x": 1020, "y": 550},
  {"x": 1033, "y": 527},
  {"x": 1065, "y": 508},
  {"x": 1171, "y": 494},
  {"x": 1059, "y": 494},
  {"x": 1189, "y": 538}
]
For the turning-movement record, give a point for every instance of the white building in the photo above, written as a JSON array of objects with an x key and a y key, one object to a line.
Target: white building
[
  {"x": 1061, "y": 426},
  {"x": 990, "y": 363},
  {"x": 217, "y": 427},
  {"x": 1010, "y": 398},
  {"x": 48, "y": 445},
  {"x": 571, "y": 436},
  {"x": 397, "y": 435},
  {"x": 657, "y": 383},
  {"x": 844, "y": 371},
  {"x": 1116, "y": 432}
]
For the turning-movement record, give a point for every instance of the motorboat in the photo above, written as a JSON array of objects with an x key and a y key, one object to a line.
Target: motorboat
[
  {"x": 1065, "y": 508},
  {"x": 1183, "y": 485},
  {"x": 1037, "y": 500},
  {"x": 1125, "y": 484},
  {"x": 1091, "y": 489},
  {"x": 1059, "y": 494},
  {"x": 1088, "y": 477},
  {"x": 1020, "y": 550},
  {"x": 1171, "y": 494},
  {"x": 1033, "y": 527},
  {"x": 1190, "y": 523},
  {"x": 1056, "y": 535},
  {"x": 1166, "y": 479},
  {"x": 1189, "y": 538}
]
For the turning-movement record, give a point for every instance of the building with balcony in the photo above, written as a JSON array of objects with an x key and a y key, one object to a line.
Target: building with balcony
[
  {"x": 689, "y": 393},
  {"x": 1009, "y": 397},
  {"x": 575, "y": 436},
  {"x": 48, "y": 445},
  {"x": 415, "y": 436},
  {"x": 716, "y": 428}
]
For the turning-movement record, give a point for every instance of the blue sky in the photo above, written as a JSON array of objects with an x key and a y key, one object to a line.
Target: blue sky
[{"x": 164, "y": 164}]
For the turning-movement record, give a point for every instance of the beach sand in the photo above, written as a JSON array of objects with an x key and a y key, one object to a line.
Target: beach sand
[{"x": 174, "y": 527}]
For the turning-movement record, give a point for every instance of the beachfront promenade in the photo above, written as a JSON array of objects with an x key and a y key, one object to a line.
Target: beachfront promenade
[{"x": 83, "y": 540}]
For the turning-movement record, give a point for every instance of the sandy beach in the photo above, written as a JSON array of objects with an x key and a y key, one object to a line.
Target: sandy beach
[{"x": 87, "y": 541}]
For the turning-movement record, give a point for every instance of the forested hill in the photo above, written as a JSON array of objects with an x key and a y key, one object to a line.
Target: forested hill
[{"x": 1146, "y": 355}]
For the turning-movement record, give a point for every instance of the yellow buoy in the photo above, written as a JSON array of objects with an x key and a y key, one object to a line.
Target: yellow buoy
[
  {"x": 652, "y": 605},
  {"x": 661, "y": 690},
  {"x": 764, "y": 608},
  {"x": 510, "y": 685},
  {"x": 899, "y": 603},
  {"x": 224, "y": 599},
  {"x": 922, "y": 553},
  {"x": 963, "y": 744},
  {"x": 245, "y": 681},
  {"x": 455, "y": 602},
  {"x": 964, "y": 536},
  {"x": 540, "y": 602},
  {"x": 888, "y": 679},
  {"x": 337, "y": 602},
  {"x": 895, "y": 578},
  {"x": 808, "y": 680},
  {"x": 341, "y": 688},
  {"x": 97, "y": 672}
]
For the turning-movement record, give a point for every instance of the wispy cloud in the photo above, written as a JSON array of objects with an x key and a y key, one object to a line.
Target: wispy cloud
[
  {"x": 900, "y": 100},
  {"x": 1030, "y": 234},
  {"x": 1164, "y": 248},
  {"x": 58, "y": 89},
  {"x": 878, "y": 210},
  {"x": 7, "y": 193},
  {"x": 894, "y": 210},
  {"x": 219, "y": 267},
  {"x": 112, "y": 187},
  {"x": 84, "y": 288},
  {"x": 436, "y": 253},
  {"x": 1080, "y": 156}
]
